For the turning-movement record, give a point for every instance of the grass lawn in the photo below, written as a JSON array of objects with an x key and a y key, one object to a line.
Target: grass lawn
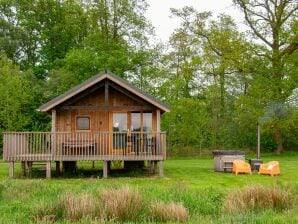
[{"x": 190, "y": 181}]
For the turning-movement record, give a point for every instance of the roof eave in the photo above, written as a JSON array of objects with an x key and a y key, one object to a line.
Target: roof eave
[{"x": 95, "y": 79}]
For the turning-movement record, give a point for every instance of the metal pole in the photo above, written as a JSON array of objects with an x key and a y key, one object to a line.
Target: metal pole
[{"x": 259, "y": 140}]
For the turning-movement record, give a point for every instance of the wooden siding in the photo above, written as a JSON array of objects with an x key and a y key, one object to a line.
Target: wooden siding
[{"x": 100, "y": 120}]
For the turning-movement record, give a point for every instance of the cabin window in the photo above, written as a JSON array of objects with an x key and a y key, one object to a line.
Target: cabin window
[
  {"x": 83, "y": 123},
  {"x": 135, "y": 121},
  {"x": 147, "y": 122}
]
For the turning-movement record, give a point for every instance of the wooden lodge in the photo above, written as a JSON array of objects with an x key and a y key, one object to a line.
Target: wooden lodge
[{"x": 103, "y": 119}]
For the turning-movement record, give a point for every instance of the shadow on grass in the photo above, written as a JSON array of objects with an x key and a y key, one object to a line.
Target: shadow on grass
[{"x": 92, "y": 173}]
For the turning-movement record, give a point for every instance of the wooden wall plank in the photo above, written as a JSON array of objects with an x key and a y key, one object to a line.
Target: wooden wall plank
[{"x": 100, "y": 119}]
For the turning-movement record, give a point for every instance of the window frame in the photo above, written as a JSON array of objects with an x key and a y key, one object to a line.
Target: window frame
[{"x": 83, "y": 116}]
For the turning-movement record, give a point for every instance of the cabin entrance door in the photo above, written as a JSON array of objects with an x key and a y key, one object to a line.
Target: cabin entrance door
[
  {"x": 132, "y": 132},
  {"x": 120, "y": 131}
]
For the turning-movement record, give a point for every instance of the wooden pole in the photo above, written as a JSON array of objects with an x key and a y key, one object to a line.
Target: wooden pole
[
  {"x": 53, "y": 120},
  {"x": 105, "y": 169},
  {"x": 152, "y": 167},
  {"x": 48, "y": 169},
  {"x": 23, "y": 167},
  {"x": 29, "y": 165},
  {"x": 53, "y": 137},
  {"x": 11, "y": 169},
  {"x": 259, "y": 141},
  {"x": 161, "y": 172},
  {"x": 157, "y": 120},
  {"x": 157, "y": 135}
]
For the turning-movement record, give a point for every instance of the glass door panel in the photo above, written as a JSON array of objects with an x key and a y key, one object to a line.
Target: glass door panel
[
  {"x": 135, "y": 122},
  {"x": 119, "y": 131},
  {"x": 147, "y": 122},
  {"x": 147, "y": 131},
  {"x": 135, "y": 132}
]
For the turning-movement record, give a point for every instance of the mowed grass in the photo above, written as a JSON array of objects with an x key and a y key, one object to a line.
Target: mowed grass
[{"x": 190, "y": 182}]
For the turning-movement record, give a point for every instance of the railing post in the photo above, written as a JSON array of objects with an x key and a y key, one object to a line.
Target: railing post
[
  {"x": 53, "y": 144},
  {"x": 158, "y": 148},
  {"x": 53, "y": 151},
  {"x": 164, "y": 145}
]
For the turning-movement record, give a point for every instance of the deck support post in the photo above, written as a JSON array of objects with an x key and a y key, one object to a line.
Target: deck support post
[
  {"x": 29, "y": 165},
  {"x": 58, "y": 170},
  {"x": 155, "y": 166},
  {"x": 152, "y": 167},
  {"x": 11, "y": 169},
  {"x": 161, "y": 172},
  {"x": 48, "y": 169},
  {"x": 23, "y": 168},
  {"x": 105, "y": 168}
]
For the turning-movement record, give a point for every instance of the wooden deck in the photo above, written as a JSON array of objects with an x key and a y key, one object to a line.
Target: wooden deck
[
  {"x": 29, "y": 147},
  {"x": 83, "y": 146}
]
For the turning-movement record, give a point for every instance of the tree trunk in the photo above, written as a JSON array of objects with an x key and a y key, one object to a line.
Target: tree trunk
[
  {"x": 222, "y": 94},
  {"x": 278, "y": 139}
]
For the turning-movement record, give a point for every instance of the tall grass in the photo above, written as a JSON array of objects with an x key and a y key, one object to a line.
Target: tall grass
[
  {"x": 69, "y": 207},
  {"x": 122, "y": 204},
  {"x": 46, "y": 212},
  {"x": 258, "y": 198},
  {"x": 77, "y": 207},
  {"x": 161, "y": 211}
]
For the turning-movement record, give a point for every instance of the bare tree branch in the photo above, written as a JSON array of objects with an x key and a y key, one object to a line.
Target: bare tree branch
[{"x": 250, "y": 22}]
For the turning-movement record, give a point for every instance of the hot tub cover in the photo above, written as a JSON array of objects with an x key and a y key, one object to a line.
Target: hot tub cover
[{"x": 227, "y": 152}]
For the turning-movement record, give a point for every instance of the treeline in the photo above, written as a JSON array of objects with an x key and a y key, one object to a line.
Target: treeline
[{"x": 219, "y": 81}]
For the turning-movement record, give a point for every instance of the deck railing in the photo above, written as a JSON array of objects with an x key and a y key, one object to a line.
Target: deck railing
[{"x": 65, "y": 146}]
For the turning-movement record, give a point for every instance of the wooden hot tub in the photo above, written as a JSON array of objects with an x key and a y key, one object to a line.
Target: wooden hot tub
[{"x": 223, "y": 159}]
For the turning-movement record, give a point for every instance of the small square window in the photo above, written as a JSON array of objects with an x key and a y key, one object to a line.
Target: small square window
[{"x": 83, "y": 123}]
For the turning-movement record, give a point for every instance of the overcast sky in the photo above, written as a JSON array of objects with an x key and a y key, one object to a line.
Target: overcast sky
[{"x": 159, "y": 13}]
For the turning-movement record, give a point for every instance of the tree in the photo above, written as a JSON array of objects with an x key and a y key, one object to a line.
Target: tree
[
  {"x": 117, "y": 40},
  {"x": 49, "y": 29},
  {"x": 275, "y": 24},
  {"x": 188, "y": 129},
  {"x": 18, "y": 99},
  {"x": 223, "y": 56}
]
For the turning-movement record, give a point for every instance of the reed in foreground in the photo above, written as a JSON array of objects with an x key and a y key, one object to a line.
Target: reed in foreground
[
  {"x": 172, "y": 211},
  {"x": 258, "y": 198},
  {"x": 123, "y": 204},
  {"x": 77, "y": 207}
]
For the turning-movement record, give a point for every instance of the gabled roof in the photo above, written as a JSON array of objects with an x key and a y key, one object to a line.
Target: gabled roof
[{"x": 96, "y": 79}]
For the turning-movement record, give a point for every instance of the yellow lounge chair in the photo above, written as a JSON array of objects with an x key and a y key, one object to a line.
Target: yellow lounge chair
[
  {"x": 240, "y": 166},
  {"x": 271, "y": 168}
]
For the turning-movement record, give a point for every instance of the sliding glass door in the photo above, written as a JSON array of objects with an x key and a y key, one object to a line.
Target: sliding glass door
[{"x": 132, "y": 132}]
